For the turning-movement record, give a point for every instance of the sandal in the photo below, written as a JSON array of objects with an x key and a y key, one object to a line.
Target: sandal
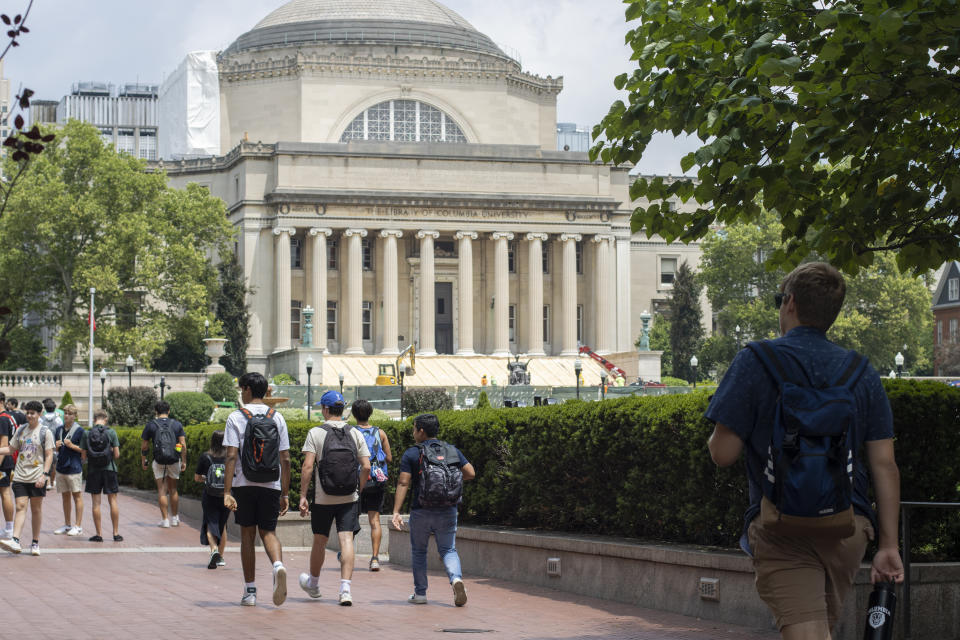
[
  {"x": 118, "y": 538},
  {"x": 95, "y": 539}
]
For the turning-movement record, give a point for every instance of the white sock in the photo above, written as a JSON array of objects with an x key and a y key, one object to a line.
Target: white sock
[
  {"x": 345, "y": 586},
  {"x": 314, "y": 581},
  {"x": 251, "y": 585},
  {"x": 277, "y": 565}
]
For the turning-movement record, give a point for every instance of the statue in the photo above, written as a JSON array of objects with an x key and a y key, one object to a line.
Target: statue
[
  {"x": 517, "y": 372},
  {"x": 307, "y": 339},
  {"x": 644, "y": 332}
]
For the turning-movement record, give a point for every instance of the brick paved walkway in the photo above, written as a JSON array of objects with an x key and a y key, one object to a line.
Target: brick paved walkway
[{"x": 156, "y": 581}]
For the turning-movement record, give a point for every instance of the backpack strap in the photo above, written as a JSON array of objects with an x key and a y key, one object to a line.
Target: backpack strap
[
  {"x": 771, "y": 361},
  {"x": 851, "y": 370},
  {"x": 270, "y": 413},
  {"x": 246, "y": 414}
]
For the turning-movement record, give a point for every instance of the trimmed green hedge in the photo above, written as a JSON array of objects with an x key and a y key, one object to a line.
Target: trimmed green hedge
[{"x": 635, "y": 467}]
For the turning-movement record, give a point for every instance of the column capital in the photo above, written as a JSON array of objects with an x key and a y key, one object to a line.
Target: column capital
[
  {"x": 355, "y": 232},
  {"x": 566, "y": 237},
  {"x": 386, "y": 233},
  {"x": 281, "y": 230},
  {"x": 501, "y": 235},
  {"x": 460, "y": 235},
  {"x": 424, "y": 234},
  {"x": 603, "y": 237},
  {"x": 319, "y": 231},
  {"x": 538, "y": 236}
]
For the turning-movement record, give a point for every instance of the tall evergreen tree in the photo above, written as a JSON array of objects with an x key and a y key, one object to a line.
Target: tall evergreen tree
[
  {"x": 686, "y": 330},
  {"x": 233, "y": 312}
]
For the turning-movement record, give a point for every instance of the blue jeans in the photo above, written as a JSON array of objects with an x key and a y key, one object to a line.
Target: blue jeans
[{"x": 442, "y": 523}]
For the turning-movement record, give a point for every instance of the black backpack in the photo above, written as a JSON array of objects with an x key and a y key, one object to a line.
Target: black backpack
[
  {"x": 339, "y": 462},
  {"x": 216, "y": 473},
  {"x": 260, "y": 454},
  {"x": 164, "y": 442},
  {"x": 99, "y": 451},
  {"x": 441, "y": 479}
]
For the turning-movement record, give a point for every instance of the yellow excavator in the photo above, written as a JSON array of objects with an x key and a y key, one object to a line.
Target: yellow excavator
[{"x": 387, "y": 375}]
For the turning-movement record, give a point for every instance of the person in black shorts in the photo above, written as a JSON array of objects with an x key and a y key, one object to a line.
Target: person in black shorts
[
  {"x": 371, "y": 498},
  {"x": 211, "y": 467},
  {"x": 8, "y": 424},
  {"x": 103, "y": 479}
]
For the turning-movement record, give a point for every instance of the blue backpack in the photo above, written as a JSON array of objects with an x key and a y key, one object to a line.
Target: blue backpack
[
  {"x": 808, "y": 480},
  {"x": 378, "y": 459}
]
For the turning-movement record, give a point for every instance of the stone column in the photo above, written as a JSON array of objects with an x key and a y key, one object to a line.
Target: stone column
[
  {"x": 568, "y": 341},
  {"x": 428, "y": 301},
  {"x": 281, "y": 273},
  {"x": 391, "y": 286},
  {"x": 501, "y": 294},
  {"x": 318, "y": 284},
  {"x": 465, "y": 319},
  {"x": 602, "y": 308},
  {"x": 535, "y": 296},
  {"x": 353, "y": 309},
  {"x": 624, "y": 273}
]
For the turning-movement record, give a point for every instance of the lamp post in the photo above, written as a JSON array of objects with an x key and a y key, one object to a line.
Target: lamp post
[
  {"x": 898, "y": 359},
  {"x": 401, "y": 374},
  {"x": 163, "y": 386},
  {"x": 130, "y": 364},
  {"x": 578, "y": 367},
  {"x": 206, "y": 328},
  {"x": 693, "y": 363},
  {"x": 103, "y": 383},
  {"x": 341, "y": 383},
  {"x": 603, "y": 384},
  {"x": 737, "y": 330},
  {"x": 309, "y": 395}
]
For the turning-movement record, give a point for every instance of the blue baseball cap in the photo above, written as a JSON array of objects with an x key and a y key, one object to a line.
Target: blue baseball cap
[{"x": 331, "y": 398}]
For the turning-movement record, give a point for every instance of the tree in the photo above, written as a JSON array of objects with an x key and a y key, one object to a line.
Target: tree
[
  {"x": 839, "y": 116},
  {"x": 184, "y": 350},
  {"x": 26, "y": 348},
  {"x": 686, "y": 330},
  {"x": 233, "y": 312},
  {"x": 660, "y": 341},
  {"x": 87, "y": 216}
]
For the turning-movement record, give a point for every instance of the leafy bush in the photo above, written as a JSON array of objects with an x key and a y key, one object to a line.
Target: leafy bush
[
  {"x": 417, "y": 401},
  {"x": 483, "y": 402},
  {"x": 66, "y": 399},
  {"x": 131, "y": 406},
  {"x": 674, "y": 382},
  {"x": 221, "y": 387},
  {"x": 284, "y": 378},
  {"x": 190, "y": 407}
]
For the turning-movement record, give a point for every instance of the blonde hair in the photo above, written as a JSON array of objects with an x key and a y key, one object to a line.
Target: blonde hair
[{"x": 71, "y": 408}]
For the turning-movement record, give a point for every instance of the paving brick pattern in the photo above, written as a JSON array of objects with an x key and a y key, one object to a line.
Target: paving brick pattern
[{"x": 156, "y": 582}]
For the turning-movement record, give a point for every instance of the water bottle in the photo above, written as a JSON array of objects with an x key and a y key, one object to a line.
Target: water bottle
[{"x": 883, "y": 603}]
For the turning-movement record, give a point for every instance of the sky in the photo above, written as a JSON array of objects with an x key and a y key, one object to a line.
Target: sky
[{"x": 125, "y": 41}]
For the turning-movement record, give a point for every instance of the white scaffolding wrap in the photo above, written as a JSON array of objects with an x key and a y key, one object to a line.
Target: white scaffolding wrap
[{"x": 190, "y": 108}]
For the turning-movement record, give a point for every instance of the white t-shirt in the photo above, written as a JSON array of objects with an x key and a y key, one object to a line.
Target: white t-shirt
[
  {"x": 314, "y": 444},
  {"x": 233, "y": 437}
]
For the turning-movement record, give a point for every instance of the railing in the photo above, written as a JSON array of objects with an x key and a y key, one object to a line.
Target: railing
[
  {"x": 905, "y": 508},
  {"x": 30, "y": 379}
]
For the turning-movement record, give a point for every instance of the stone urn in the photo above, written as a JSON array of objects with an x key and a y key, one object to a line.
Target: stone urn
[
  {"x": 216, "y": 347},
  {"x": 271, "y": 400}
]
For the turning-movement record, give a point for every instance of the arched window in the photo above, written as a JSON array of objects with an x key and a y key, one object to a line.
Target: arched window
[{"x": 404, "y": 121}]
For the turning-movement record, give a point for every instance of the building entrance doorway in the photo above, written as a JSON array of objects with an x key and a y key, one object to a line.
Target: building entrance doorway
[{"x": 444, "y": 318}]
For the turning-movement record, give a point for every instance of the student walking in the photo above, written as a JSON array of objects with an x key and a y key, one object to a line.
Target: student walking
[
  {"x": 8, "y": 426},
  {"x": 69, "y": 441},
  {"x": 211, "y": 469},
  {"x": 52, "y": 421},
  {"x": 437, "y": 471},
  {"x": 257, "y": 482},
  {"x": 102, "y": 450},
  {"x": 372, "y": 495},
  {"x": 35, "y": 445},
  {"x": 332, "y": 454},
  {"x": 169, "y": 459}
]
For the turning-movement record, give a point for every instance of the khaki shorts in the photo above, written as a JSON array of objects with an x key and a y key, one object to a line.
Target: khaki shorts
[
  {"x": 803, "y": 579},
  {"x": 72, "y": 483},
  {"x": 166, "y": 470}
]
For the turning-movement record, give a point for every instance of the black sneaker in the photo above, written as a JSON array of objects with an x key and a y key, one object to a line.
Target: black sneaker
[
  {"x": 118, "y": 538},
  {"x": 214, "y": 560},
  {"x": 96, "y": 539}
]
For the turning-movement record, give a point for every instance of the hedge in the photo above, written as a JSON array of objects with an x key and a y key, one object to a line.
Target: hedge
[
  {"x": 635, "y": 467},
  {"x": 190, "y": 407}
]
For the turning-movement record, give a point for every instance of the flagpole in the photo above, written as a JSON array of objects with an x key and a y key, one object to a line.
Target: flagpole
[{"x": 90, "y": 319}]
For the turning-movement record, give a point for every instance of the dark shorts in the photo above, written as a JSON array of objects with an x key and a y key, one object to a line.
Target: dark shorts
[
  {"x": 257, "y": 507},
  {"x": 7, "y": 476},
  {"x": 102, "y": 481},
  {"x": 28, "y": 489},
  {"x": 323, "y": 515},
  {"x": 215, "y": 517},
  {"x": 372, "y": 500}
]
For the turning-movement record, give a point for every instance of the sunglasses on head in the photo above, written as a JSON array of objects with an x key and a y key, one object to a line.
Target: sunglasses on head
[{"x": 778, "y": 299}]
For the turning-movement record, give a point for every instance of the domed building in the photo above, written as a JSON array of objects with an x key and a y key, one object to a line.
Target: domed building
[{"x": 391, "y": 168}]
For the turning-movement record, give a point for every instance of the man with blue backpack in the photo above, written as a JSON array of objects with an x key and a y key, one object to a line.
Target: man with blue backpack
[
  {"x": 371, "y": 498},
  {"x": 811, "y": 417}
]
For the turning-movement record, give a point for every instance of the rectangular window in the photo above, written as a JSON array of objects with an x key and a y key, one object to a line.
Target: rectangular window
[
  {"x": 367, "y": 247},
  {"x": 545, "y": 251},
  {"x": 331, "y": 319},
  {"x": 367, "y": 320},
  {"x": 332, "y": 256},
  {"x": 580, "y": 258},
  {"x": 953, "y": 330},
  {"x": 295, "y": 307},
  {"x": 939, "y": 331},
  {"x": 953, "y": 289},
  {"x": 512, "y": 322},
  {"x": 579, "y": 324},
  {"x": 512, "y": 257},
  {"x": 296, "y": 252},
  {"x": 668, "y": 271},
  {"x": 546, "y": 323}
]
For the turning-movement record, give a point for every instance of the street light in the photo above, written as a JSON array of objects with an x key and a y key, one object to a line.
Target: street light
[
  {"x": 898, "y": 359},
  {"x": 103, "y": 382},
  {"x": 163, "y": 386},
  {"x": 693, "y": 363},
  {"x": 309, "y": 396},
  {"x": 578, "y": 367},
  {"x": 603, "y": 384},
  {"x": 341, "y": 383},
  {"x": 737, "y": 329},
  {"x": 400, "y": 374},
  {"x": 206, "y": 328},
  {"x": 130, "y": 364}
]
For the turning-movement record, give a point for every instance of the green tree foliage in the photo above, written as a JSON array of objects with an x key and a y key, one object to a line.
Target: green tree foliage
[
  {"x": 190, "y": 407},
  {"x": 660, "y": 341},
  {"x": 66, "y": 399},
  {"x": 840, "y": 116},
  {"x": 483, "y": 401},
  {"x": 128, "y": 407},
  {"x": 184, "y": 351},
  {"x": 221, "y": 387},
  {"x": 233, "y": 312},
  {"x": 85, "y": 216},
  {"x": 26, "y": 349},
  {"x": 424, "y": 400},
  {"x": 686, "y": 330}
]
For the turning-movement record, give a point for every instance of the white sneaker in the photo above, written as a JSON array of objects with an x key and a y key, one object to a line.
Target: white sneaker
[
  {"x": 249, "y": 598},
  {"x": 459, "y": 593},
  {"x": 313, "y": 592},
  {"x": 279, "y": 585},
  {"x": 164, "y": 524},
  {"x": 11, "y": 545},
  {"x": 345, "y": 599},
  {"x": 415, "y": 599},
  {"x": 62, "y": 530},
  {"x": 75, "y": 531},
  {"x": 175, "y": 521},
  {"x": 7, "y": 534},
  {"x": 34, "y": 548}
]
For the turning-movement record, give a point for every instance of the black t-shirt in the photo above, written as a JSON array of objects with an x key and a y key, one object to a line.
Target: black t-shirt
[
  {"x": 7, "y": 427},
  {"x": 19, "y": 416},
  {"x": 204, "y": 463},
  {"x": 150, "y": 430}
]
